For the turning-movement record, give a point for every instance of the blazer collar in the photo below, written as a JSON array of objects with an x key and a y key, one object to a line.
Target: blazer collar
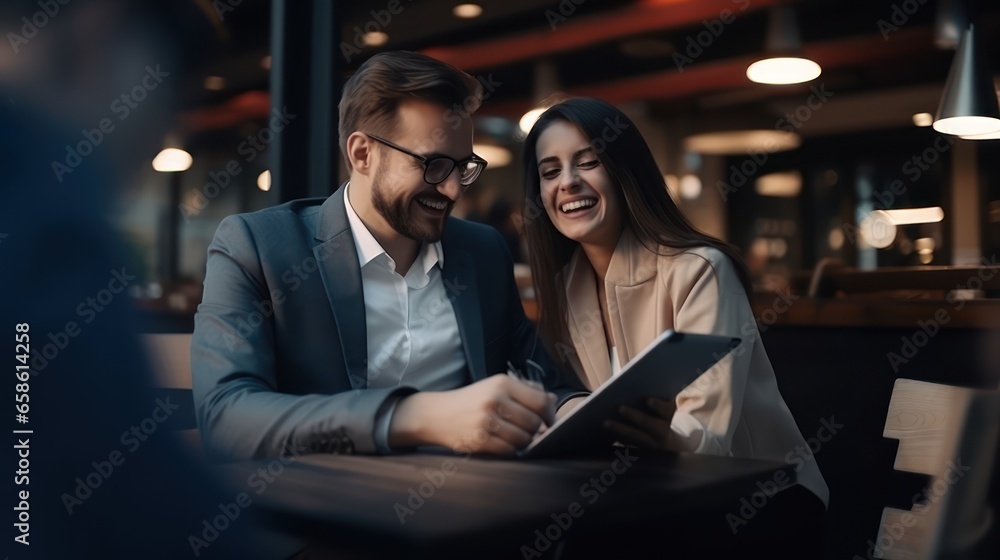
[
  {"x": 333, "y": 216},
  {"x": 462, "y": 287},
  {"x": 631, "y": 265},
  {"x": 584, "y": 320},
  {"x": 337, "y": 256},
  {"x": 341, "y": 273}
]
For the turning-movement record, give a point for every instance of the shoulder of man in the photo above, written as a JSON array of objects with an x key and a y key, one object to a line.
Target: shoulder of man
[
  {"x": 301, "y": 210},
  {"x": 273, "y": 225}
]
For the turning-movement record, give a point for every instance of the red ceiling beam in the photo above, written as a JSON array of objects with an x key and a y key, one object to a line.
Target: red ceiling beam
[
  {"x": 581, "y": 31},
  {"x": 730, "y": 73},
  {"x": 248, "y": 106}
]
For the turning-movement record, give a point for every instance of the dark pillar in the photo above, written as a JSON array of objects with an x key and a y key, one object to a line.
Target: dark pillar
[
  {"x": 305, "y": 82},
  {"x": 172, "y": 237}
]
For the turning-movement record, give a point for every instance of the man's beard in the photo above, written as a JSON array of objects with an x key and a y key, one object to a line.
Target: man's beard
[{"x": 396, "y": 212}]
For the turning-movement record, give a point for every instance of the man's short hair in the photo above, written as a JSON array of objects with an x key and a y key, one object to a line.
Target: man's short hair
[{"x": 373, "y": 94}]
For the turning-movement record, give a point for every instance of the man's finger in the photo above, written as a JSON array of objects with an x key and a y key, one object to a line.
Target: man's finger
[
  {"x": 662, "y": 407},
  {"x": 513, "y": 413},
  {"x": 534, "y": 384},
  {"x": 536, "y": 400}
]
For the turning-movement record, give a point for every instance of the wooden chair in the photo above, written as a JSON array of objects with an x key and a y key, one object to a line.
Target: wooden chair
[
  {"x": 170, "y": 358},
  {"x": 949, "y": 433}
]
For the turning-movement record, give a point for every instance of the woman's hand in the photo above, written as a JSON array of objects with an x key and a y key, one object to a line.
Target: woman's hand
[{"x": 649, "y": 429}]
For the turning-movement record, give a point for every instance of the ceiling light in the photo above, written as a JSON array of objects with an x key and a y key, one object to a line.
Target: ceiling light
[
  {"x": 690, "y": 187},
  {"x": 906, "y": 216},
  {"x": 787, "y": 183},
  {"x": 740, "y": 142},
  {"x": 783, "y": 70},
  {"x": 496, "y": 156},
  {"x": 969, "y": 104},
  {"x": 877, "y": 229},
  {"x": 987, "y": 136},
  {"x": 923, "y": 119},
  {"x": 924, "y": 245},
  {"x": 172, "y": 160},
  {"x": 467, "y": 11},
  {"x": 783, "y": 45},
  {"x": 375, "y": 38},
  {"x": 264, "y": 180},
  {"x": 528, "y": 120}
]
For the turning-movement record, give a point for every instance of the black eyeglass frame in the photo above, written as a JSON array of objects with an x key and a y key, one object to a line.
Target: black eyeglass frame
[{"x": 426, "y": 161}]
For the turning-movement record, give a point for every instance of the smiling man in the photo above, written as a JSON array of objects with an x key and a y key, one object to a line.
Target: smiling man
[{"x": 371, "y": 321}]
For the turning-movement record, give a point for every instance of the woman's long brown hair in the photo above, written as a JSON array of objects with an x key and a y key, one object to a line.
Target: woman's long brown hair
[{"x": 648, "y": 210}]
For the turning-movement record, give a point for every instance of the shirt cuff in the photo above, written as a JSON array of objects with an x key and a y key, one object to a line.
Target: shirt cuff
[{"x": 383, "y": 419}]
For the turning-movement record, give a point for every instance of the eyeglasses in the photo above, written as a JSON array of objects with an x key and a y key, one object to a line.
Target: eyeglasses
[{"x": 438, "y": 168}]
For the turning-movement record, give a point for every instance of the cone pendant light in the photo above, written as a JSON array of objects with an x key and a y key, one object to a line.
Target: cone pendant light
[{"x": 969, "y": 104}]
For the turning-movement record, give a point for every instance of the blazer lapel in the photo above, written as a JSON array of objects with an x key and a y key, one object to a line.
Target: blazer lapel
[
  {"x": 459, "y": 275},
  {"x": 632, "y": 303},
  {"x": 338, "y": 266},
  {"x": 585, "y": 321}
]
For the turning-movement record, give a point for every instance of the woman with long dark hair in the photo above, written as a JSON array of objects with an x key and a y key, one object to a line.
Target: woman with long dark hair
[{"x": 615, "y": 263}]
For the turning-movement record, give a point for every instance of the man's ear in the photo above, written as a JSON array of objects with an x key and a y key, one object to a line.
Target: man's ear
[{"x": 360, "y": 153}]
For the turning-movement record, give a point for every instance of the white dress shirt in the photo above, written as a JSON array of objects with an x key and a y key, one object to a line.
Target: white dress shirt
[
  {"x": 615, "y": 368},
  {"x": 413, "y": 336}
]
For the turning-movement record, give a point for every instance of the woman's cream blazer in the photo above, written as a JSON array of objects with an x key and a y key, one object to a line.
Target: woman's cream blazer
[{"x": 732, "y": 409}]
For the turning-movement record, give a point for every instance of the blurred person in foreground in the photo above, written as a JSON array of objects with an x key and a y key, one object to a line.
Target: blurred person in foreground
[{"x": 102, "y": 476}]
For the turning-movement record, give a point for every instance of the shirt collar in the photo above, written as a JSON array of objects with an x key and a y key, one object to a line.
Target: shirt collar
[{"x": 369, "y": 248}]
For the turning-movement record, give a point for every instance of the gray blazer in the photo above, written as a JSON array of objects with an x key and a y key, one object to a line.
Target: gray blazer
[{"x": 279, "y": 353}]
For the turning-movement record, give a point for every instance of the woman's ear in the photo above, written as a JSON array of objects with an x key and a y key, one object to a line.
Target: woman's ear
[{"x": 360, "y": 153}]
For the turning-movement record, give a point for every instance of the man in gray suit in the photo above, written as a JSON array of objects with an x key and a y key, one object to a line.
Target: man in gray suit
[{"x": 371, "y": 321}]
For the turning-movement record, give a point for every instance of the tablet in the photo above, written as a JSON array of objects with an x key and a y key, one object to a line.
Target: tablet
[{"x": 664, "y": 368}]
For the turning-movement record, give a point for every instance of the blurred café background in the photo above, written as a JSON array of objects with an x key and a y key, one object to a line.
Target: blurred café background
[
  {"x": 844, "y": 169},
  {"x": 862, "y": 187}
]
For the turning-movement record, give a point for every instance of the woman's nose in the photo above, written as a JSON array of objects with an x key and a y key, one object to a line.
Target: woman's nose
[{"x": 569, "y": 179}]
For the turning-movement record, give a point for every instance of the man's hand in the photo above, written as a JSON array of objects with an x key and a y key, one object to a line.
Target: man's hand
[
  {"x": 496, "y": 415},
  {"x": 649, "y": 429}
]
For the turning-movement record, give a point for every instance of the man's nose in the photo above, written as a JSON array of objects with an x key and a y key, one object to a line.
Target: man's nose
[{"x": 451, "y": 186}]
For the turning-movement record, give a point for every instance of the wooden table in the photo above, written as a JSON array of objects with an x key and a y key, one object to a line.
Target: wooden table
[{"x": 436, "y": 505}]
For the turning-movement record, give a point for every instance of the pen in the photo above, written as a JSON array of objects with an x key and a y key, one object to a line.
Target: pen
[
  {"x": 514, "y": 372},
  {"x": 533, "y": 375}
]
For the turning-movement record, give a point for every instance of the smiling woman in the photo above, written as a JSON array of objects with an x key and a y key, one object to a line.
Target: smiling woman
[{"x": 615, "y": 263}]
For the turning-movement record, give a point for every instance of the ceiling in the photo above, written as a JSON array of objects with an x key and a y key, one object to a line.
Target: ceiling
[{"x": 646, "y": 51}]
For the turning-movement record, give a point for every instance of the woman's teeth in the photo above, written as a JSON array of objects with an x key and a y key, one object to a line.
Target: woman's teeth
[{"x": 576, "y": 205}]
